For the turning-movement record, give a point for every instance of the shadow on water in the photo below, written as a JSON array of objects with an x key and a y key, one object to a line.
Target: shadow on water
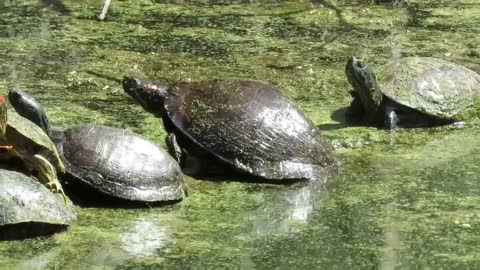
[
  {"x": 220, "y": 2},
  {"x": 29, "y": 230},
  {"x": 56, "y": 5},
  {"x": 167, "y": 42},
  {"x": 420, "y": 13},
  {"x": 235, "y": 23},
  {"x": 25, "y": 20},
  {"x": 338, "y": 11},
  {"x": 342, "y": 118},
  {"x": 104, "y": 76},
  {"x": 339, "y": 116},
  {"x": 417, "y": 16}
]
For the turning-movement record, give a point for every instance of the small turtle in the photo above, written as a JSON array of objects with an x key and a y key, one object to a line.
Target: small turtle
[
  {"x": 120, "y": 163},
  {"x": 116, "y": 162},
  {"x": 413, "y": 91},
  {"x": 22, "y": 139},
  {"x": 247, "y": 126},
  {"x": 28, "y": 209}
]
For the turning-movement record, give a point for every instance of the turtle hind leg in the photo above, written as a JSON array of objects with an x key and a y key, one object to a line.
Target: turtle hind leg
[
  {"x": 355, "y": 111},
  {"x": 47, "y": 174},
  {"x": 173, "y": 148}
]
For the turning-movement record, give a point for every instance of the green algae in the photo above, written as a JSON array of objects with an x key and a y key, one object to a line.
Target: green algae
[{"x": 407, "y": 206}]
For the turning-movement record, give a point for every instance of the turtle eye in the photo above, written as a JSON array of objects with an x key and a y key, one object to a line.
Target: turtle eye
[{"x": 360, "y": 64}]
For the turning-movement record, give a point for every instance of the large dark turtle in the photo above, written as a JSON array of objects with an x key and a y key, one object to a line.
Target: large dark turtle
[
  {"x": 243, "y": 125},
  {"x": 413, "y": 91},
  {"x": 23, "y": 140},
  {"x": 116, "y": 162},
  {"x": 28, "y": 209}
]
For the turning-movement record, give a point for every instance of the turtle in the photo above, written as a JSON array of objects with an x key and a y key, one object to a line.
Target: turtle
[
  {"x": 413, "y": 92},
  {"x": 23, "y": 140},
  {"x": 120, "y": 164},
  {"x": 28, "y": 209},
  {"x": 242, "y": 126},
  {"x": 115, "y": 162}
]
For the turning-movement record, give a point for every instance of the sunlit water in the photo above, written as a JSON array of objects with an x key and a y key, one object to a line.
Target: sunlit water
[{"x": 411, "y": 205}]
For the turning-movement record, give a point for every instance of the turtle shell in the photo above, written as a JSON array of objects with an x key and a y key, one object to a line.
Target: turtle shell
[
  {"x": 252, "y": 126},
  {"x": 120, "y": 163},
  {"x": 432, "y": 86},
  {"x": 29, "y": 139},
  {"x": 28, "y": 209}
]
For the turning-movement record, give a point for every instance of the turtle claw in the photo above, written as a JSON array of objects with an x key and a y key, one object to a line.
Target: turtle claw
[
  {"x": 56, "y": 188},
  {"x": 48, "y": 175},
  {"x": 53, "y": 187}
]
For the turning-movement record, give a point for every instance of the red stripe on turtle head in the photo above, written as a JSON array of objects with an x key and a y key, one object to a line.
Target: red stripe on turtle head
[{"x": 2, "y": 99}]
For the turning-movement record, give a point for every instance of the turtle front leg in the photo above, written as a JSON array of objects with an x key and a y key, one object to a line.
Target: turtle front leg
[
  {"x": 47, "y": 174},
  {"x": 356, "y": 107},
  {"x": 173, "y": 148},
  {"x": 189, "y": 164}
]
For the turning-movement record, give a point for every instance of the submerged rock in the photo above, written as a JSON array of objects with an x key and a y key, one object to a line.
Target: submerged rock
[{"x": 28, "y": 209}]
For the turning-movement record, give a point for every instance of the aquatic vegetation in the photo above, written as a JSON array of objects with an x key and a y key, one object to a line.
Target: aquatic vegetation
[{"x": 410, "y": 205}]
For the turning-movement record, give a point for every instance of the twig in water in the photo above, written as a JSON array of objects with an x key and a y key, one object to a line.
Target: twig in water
[{"x": 106, "y": 5}]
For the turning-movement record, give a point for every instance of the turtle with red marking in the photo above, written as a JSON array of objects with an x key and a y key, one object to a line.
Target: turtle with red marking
[
  {"x": 26, "y": 142},
  {"x": 106, "y": 162},
  {"x": 238, "y": 125}
]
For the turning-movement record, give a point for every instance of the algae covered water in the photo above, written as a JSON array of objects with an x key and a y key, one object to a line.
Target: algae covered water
[{"x": 411, "y": 205}]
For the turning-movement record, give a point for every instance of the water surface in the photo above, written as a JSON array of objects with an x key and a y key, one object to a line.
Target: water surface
[{"x": 413, "y": 205}]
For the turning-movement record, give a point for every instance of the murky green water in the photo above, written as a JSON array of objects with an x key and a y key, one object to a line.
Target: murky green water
[{"x": 414, "y": 205}]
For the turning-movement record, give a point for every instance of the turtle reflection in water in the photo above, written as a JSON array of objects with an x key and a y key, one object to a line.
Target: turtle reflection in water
[
  {"x": 247, "y": 126},
  {"x": 22, "y": 140},
  {"x": 413, "y": 91},
  {"x": 112, "y": 161}
]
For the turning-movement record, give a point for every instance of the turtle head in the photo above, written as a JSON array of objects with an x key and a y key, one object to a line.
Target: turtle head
[
  {"x": 150, "y": 95},
  {"x": 28, "y": 107},
  {"x": 3, "y": 116},
  {"x": 363, "y": 80}
]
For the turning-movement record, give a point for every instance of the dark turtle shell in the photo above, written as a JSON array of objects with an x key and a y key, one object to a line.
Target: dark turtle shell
[
  {"x": 28, "y": 209},
  {"x": 120, "y": 163},
  {"x": 252, "y": 126}
]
